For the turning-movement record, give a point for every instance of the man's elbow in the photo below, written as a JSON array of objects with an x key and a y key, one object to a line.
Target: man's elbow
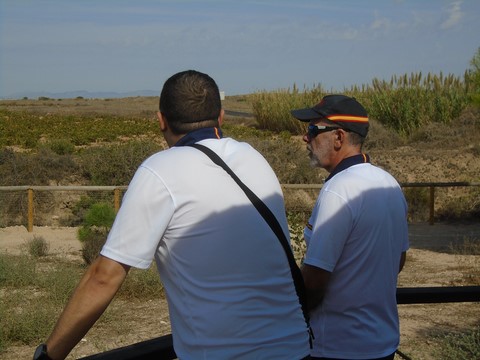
[{"x": 106, "y": 273}]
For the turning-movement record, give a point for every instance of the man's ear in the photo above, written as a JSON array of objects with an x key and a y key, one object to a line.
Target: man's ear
[
  {"x": 162, "y": 121},
  {"x": 220, "y": 117},
  {"x": 340, "y": 138}
]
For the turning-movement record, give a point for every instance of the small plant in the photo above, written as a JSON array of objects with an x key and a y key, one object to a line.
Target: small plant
[
  {"x": 92, "y": 246},
  {"x": 98, "y": 221},
  {"x": 37, "y": 246},
  {"x": 61, "y": 146}
]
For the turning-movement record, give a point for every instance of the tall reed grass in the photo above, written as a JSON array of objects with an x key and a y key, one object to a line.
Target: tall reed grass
[
  {"x": 272, "y": 109},
  {"x": 404, "y": 104}
]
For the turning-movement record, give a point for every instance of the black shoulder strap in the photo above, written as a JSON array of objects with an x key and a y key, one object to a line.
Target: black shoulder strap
[{"x": 272, "y": 222}]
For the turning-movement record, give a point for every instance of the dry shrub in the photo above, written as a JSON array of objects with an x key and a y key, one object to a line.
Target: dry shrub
[
  {"x": 91, "y": 247},
  {"x": 37, "y": 246}
]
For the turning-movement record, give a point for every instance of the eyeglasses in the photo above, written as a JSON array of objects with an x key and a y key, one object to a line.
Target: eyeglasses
[{"x": 314, "y": 130}]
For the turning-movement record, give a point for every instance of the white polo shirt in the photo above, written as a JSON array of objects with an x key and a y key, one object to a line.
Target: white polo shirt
[
  {"x": 226, "y": 276},
  {"x": 359, "y": 230}
]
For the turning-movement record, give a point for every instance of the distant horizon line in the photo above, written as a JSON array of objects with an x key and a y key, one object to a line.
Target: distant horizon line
[
  {"x": 78, "y": 93},
  {"x": 83, "y": 94}
]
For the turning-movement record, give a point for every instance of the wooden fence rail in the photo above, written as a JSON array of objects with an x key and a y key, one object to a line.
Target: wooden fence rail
[{"x": 116, "y": 190}]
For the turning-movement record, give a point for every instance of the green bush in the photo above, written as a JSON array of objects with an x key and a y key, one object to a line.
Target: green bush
[
  {"x": 80, "y": 209},
  {"x": 61, "y": 146},
  {"x": 93, "y": 233}
]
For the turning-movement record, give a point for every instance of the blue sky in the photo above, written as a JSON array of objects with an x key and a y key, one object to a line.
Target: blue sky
[{"x": 245, "y": 45}]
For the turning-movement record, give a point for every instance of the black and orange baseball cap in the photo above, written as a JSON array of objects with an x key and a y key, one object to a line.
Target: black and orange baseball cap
[{"x": 345, "y": 111}]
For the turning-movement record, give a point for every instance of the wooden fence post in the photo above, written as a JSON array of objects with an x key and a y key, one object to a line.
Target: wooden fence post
[
  {"x": 432, "y": 205},
  {"x": 116, "y": 199},
  {"x": 30, "y": 210}
]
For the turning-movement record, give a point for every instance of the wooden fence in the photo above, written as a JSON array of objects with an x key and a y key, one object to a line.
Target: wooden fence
[{"x": 118, "y": 190}]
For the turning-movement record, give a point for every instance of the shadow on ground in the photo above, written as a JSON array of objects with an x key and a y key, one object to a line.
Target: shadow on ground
[{"x": 443, "y": 237}]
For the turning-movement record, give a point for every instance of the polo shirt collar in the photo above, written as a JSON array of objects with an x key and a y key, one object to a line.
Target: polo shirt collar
[
  {"x": 201, "y": 134},
  {"x": 347, "y": 162}
]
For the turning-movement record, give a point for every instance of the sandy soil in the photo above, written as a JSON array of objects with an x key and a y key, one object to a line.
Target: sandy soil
[{"x": 434, "y": 260}]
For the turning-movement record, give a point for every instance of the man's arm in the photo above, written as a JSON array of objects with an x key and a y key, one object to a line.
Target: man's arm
[
  {"x": 88, "y": 302},
  {"x": 316, "y": 280}
]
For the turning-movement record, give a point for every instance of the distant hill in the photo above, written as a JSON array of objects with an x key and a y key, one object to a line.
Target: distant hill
[{"x": 81, "y": 93}]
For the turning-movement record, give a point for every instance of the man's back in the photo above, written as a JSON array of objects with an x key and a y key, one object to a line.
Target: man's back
[
  {"x": 360, "y": 240},
  {"x": 226, "y": 275}
]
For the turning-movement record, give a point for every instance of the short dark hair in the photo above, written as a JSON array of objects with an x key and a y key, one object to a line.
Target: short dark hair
[{"x": 190, "y": 100}]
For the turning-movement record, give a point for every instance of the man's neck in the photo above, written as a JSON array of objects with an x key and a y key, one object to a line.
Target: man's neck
[
  {"x": 346, "y": 162},
  {"x": 198, "y": 135}
]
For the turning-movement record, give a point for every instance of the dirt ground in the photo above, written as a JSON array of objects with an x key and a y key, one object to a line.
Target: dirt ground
[{"x": 434, "y": 259}]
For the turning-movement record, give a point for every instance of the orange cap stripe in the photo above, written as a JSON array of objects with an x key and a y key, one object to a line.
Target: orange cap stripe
[{"x": 349, "y": 118}]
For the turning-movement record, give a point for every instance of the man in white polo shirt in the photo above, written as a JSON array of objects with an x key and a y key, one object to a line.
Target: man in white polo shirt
[
  {"x": 226, "y": 276},
  {"x": 356, "y": 238}
]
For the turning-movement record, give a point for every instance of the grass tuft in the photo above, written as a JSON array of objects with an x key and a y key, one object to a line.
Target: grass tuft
[{"x": 37, "y": 246}]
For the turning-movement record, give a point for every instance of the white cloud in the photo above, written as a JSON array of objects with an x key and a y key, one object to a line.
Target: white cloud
[
  {"x": 379, "y": 23},
  {"x": 454, "y": 15}
]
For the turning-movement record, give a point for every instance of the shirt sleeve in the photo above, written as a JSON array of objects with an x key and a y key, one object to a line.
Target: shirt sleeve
[
  {"x": 331, "y": 223},
  {"x": 144, "y": 215}
]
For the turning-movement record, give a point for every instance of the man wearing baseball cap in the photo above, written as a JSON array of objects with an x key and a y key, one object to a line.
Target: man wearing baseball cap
[{"x": 356, "y": 238}]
